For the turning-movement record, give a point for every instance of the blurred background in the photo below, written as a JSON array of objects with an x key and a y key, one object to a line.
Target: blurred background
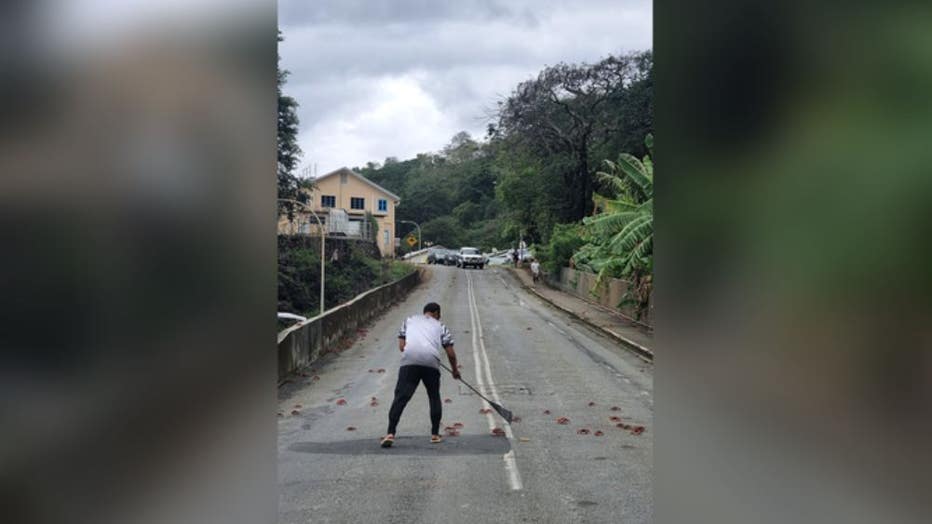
[
  {"x": 793, "y": 269},
  {"x": 138, "y": 261}
]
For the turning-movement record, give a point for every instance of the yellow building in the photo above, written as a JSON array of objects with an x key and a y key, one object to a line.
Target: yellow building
[{"x": 341, "y": 200}]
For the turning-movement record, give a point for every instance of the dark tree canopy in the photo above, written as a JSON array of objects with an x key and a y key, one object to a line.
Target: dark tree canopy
[{"x": 572, "y": 111}]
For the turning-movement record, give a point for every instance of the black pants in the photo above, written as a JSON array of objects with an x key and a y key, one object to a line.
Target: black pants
[{"x": 408, "y": 379}]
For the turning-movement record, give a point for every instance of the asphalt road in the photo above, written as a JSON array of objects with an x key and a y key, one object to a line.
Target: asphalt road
[{"x": 534, "y": 358}]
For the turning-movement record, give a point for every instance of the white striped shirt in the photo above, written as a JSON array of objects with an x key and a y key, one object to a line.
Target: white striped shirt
[{"x": 424, "y": 337}]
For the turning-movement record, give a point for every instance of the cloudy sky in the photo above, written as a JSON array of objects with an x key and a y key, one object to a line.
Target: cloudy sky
[{"x": 379, "y": 78}]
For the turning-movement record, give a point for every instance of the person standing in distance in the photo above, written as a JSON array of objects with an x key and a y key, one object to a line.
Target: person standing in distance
[
  {"x": 535, "y": 269},
  {"x": 419, "y": 340}
]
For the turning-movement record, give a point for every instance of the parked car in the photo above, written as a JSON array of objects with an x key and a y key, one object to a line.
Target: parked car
[
  {"x": 470, "y": 256},
  {"x": 436, "y": 255},
  {"x": 450, "y": 257}
]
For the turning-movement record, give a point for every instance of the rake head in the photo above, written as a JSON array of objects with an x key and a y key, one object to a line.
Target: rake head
[{"x": 507, "y": 415}]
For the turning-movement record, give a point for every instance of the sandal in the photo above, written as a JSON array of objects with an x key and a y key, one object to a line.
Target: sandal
[
  {"x": 436, "y": 439},
  {"x": 388, "y": 440}
]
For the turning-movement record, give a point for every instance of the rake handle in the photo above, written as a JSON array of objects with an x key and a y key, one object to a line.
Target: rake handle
[{"x": 467, "y": 384}]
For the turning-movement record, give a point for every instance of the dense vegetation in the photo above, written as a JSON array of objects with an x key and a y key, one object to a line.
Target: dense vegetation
[
  {"x": 620, "y": 237},
  {"x": 352, "y": 268},
  {"x": 541, "y": 172}
]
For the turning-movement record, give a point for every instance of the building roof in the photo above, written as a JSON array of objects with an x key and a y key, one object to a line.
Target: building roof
[{"x": 364, "y": 179}]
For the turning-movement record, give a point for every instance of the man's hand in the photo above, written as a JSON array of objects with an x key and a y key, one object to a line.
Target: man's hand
[{"x": 456, "y": 374}]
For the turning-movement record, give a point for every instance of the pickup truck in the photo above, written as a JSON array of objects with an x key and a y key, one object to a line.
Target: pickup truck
[{"x": 470, "y": 256}]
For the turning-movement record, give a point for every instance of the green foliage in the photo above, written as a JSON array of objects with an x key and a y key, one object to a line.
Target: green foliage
[
  {"x": 565, "y": 240},
  {"x": 444, "y": 230},
  {"x": 572, "y": 112},
  {"x": 356, "y": 269},
  {"x": 620, "y": 238},
  {"x": 451, "y": 195},
  {"x": 621, "y": 235}
]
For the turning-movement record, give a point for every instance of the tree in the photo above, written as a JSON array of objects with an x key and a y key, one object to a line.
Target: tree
[
  {"x": 570, "y": 110},
  {"x": 289, "y": 152}
]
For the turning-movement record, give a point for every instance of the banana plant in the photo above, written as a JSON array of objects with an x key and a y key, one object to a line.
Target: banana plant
[{"x": 621, "y": 233}]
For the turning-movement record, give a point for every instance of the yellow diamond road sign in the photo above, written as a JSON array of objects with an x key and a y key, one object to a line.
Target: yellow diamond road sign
[{"x": 411, "y": 240}]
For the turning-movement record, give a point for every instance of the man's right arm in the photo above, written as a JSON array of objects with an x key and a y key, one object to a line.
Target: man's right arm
[
  {"x": 446, "y": 340},
  {"x": 402, "y": 335},
  {"x": 454, "y": 367}
]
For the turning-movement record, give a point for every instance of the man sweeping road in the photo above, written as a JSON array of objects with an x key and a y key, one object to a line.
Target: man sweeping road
[{"x": 420, "y": 340}]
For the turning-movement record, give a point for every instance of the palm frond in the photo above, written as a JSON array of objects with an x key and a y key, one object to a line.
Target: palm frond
[{"x": 635, "y": 171}]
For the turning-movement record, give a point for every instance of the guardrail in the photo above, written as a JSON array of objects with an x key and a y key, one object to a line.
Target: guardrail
[
  {"x": 415, "y": 253},
  {"x": 304, "y": 342}
]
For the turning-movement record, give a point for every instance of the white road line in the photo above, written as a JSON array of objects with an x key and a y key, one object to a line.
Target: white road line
[
  {"x": 511, "y": 464},
  {"x": 475, "y": 355},
  {"x": 554, "y": 326}
]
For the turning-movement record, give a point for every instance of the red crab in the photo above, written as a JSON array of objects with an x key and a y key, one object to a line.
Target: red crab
[
  {"x": 498, "y": 432},
  {"x": 458, "y": 425},
  {"x": 351, "y": 428},
  {"x": 563, "y": 420},
  {"x": 598, "y": 433},
  {"x": 341, "y": 402},
  {"x": 582, "y": 431},
  {"x": 546, "y": 412},
  {"x": 485, "y": 411},
  {"x": 295, "y": 412},
  {"x": 615, "y": 419},
  {"x": 591, "y": 404},
  {"x": 616, "y": 408},
  {"x": 447, "y": 401}
]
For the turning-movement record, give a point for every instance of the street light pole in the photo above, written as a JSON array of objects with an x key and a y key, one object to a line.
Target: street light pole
[
  {"x": 323, "y": 237},
  {"x": 418, "y": 226}
]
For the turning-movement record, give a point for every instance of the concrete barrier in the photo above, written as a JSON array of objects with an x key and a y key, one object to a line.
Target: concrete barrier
[
  {"x": 303, "y": 343},
  {"x": 608, "y": 294}
]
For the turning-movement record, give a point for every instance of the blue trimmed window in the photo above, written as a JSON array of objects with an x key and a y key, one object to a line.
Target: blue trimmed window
[
  {"x": 383, "y": 204},
  {"x": 328, "y": 201}
]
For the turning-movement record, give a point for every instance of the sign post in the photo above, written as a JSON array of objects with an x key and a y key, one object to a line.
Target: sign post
[{"x": 415, "y": 224}]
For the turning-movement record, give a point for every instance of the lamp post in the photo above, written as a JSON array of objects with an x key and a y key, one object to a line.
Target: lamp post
[
  {"x": 418, "y": 231},
  {"x": 322, "y": 246}
]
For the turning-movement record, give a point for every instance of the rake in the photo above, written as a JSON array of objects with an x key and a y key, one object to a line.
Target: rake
[{"x": 507, "y": 415}]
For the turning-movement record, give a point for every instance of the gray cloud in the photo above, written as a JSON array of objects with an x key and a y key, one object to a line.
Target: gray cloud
[
  {"x": 382, "y": 12},
  {"x": 399, "y": 77}
]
